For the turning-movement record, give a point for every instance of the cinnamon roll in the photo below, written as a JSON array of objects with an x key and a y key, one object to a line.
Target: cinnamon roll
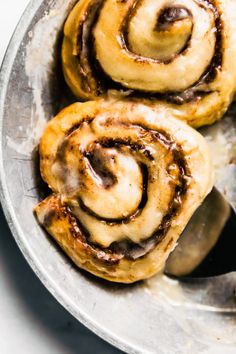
[
  {"x": 179, "y": 52},
  {"x": 125, "y": 182}
]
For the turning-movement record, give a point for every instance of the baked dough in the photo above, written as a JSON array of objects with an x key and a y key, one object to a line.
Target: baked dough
[
  {"x": 125, "y": 179},
  {"x": 181, "y": 53}
]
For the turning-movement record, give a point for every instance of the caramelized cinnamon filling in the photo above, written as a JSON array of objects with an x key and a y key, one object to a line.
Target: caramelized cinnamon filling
[
  {"x": 125, "y": 248},
  {"x": 96, "y": 80},
  {"x": 171, "y": 14}
]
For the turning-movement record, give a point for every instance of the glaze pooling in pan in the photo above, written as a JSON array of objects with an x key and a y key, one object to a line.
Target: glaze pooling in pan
[{"x": 125, "y": 181}]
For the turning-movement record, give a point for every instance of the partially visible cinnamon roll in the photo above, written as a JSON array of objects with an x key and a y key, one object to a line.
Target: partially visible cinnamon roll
[
  {"x": 125, "y": 182},
  {"x": 180, "y": 52}
]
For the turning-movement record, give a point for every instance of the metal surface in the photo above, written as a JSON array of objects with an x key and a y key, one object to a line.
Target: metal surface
[
  {"x": 157, "y": 316},
  {"x": 207, "y": 246}
]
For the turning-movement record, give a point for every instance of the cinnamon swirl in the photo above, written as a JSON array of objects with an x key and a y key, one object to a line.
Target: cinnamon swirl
[
  {"x": 125, "y": 180},
  {"x": 179, "y": 52}
]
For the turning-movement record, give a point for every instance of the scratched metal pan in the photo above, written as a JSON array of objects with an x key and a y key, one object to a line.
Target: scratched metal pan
[{"x": 156, "y": 316}]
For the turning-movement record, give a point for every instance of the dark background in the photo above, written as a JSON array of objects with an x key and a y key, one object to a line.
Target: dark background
[
  {"x": 31, "y": 320},
  {"x": 30, "y": 316}
]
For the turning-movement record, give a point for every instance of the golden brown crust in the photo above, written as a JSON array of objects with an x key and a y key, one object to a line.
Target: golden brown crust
[
  {"x": 59, "y": 221},
  {"x": 181, "y": 56},
  {"x": 126, "y": 180}
]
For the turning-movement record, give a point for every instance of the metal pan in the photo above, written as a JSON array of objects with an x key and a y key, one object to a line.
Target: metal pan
[{"x": 156, "y": 316}]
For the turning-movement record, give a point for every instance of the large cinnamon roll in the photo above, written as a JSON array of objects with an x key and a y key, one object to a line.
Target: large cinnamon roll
[
  {"x": 125, "y": 182},
  {"x": 180, "y": 52}
]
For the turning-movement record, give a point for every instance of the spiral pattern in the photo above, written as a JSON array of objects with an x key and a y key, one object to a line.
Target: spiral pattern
[
  {"x": 126, "y": 180},
  {"x": 179, "y": 52}
]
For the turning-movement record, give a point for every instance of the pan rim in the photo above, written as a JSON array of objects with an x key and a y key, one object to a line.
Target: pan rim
[{"x": 5, "y": 200}]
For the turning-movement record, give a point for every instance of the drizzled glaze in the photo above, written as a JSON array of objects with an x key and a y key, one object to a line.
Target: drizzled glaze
[{"x": 94, "y": 76}]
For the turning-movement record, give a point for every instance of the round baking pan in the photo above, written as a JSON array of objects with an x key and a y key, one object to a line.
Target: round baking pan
[{"x": 160, "y": 315}]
